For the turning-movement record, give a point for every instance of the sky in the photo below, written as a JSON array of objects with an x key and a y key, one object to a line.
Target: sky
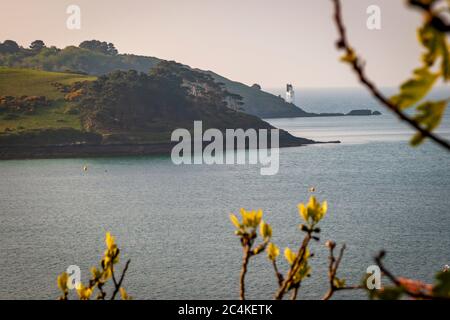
[{"x": 269, "y": 42}]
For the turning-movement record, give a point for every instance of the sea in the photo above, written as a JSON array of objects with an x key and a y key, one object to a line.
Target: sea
[{"x": 173, "y": 223}]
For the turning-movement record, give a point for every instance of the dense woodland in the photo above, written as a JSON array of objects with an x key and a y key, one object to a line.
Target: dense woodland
[{"x": 169, "y": 95}]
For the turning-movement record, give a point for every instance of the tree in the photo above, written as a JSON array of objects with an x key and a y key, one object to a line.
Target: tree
[
  {"x": 37, "y": 45},
  {"x": 9, "y": 46},
  {"x": 99, "y": 46}
]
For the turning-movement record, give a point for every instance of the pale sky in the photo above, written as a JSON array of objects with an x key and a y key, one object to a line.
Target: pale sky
[{"x": 270, "y": 42}]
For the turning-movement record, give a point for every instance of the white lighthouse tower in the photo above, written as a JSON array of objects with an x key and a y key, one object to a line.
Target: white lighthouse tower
[{"x": 290, "y": 94}]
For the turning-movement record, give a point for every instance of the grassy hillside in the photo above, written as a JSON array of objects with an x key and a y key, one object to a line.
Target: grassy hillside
[
  {"x": 26, "y": 82},
  {"x": 17, "y": 82},
  {"x": 256, "y": 102},
  {"x": 119, "y": 108}
]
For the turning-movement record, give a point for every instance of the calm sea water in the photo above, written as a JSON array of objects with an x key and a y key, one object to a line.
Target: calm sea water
[{"x": 172, "y": 221}]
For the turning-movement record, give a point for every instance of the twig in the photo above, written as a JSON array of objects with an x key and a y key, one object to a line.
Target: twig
[
  {"x": 295, "y": 267},
  {"x": 295, "y": 292},
  {"x": 277, "y": 273},
  {"x": 113, "y": 277},
  {"x": 245, "y": 259},
  {"x": 102, "y": 293},
  {"x": 358, "y": 68},
  {"x": 332, "y": 271},
  {"x": 436, "y": 21},
  {"x": 397, "y": 282},
  {"x": 248, "y": 252},
  {"x": 119, "y": 284},
  {"x": 357, "y": 287}
]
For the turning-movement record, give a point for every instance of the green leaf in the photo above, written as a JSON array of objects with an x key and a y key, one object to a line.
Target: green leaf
[
  {"x": 415, "y": 89},
  {"x": 435, "y": 42},
  {"x": 430, "y": 39},
  {"x": 445, "y": 68},
  {"x": 429, "y": 117},
  {"x": 417, "y": 139}
]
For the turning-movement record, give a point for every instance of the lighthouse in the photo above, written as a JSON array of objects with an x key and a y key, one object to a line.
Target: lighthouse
[{"x": 290, "y": 94}]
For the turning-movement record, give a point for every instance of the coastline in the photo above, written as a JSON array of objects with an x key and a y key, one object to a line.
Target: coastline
[
  {"x": 352, "y": 113},
  {"x": 22, "y": 152}
]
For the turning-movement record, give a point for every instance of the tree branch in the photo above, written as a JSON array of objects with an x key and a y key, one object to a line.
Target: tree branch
[
  {"x": 277, "y": 273},
  {"x": 332, "y": 271},
  {"x": 295, "y": 267},
  {"x": 245, "y": 259},
  {"x": 396, "y": 281},
  {"x": 295, "y": 292},
  {"x": 119, "y": 284},
  {"x": 357, "y": 66},
  {"x": 436, "y": 21}
]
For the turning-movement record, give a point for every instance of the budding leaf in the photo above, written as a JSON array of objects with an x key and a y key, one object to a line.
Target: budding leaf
[
  {"x": 435, "y": 42},
  {"x": 429, "y": 116},
  {"x": 272, "y": 251},
  {"x": 265, "y": 230},
  {"x": 235, "y": 221},
  {"x": 289, "y": 255},
  {"x": 415, "y": 89}
]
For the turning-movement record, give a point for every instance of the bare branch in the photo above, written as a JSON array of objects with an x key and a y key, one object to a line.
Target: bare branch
[
  {"x": 436, "y": 21},
  {"x": 396, "y": 281},
  {"x": 358, "y": 68},
  {"x": 295, "y": 267},
  {"x": 119, "y": 284},
  {"x": 295, "y": 292},
  {"x": 277, "y": 273},
  {"x": 245, "y": 259},
  {"x": 332, "y": 271}
]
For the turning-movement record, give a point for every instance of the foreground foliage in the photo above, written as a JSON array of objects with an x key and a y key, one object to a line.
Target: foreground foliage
[
  {"x": 247, "y": 228},
  {"x": 434, "y": 69},
  {"x": 99, "y": 277},
  {"x": 299, "y": 261}
]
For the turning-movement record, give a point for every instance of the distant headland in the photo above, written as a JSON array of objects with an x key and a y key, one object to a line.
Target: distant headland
[{"x": 91, "y": 100}]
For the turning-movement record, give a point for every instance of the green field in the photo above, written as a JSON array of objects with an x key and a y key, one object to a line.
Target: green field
[{"x": 20, "y": 82}]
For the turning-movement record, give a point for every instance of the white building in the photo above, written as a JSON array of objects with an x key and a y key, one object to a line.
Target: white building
[{"x": 290, "y": 94}]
